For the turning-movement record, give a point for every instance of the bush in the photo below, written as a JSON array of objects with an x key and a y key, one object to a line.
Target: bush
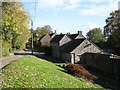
[
  {"x": 5, "y": 52},
  {"x": 5, "y": 48},
  {"x": 79, "y": 71}
]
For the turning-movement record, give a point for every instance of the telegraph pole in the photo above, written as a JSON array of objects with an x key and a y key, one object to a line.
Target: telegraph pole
[
  {"x": 32, "y": 37},
  {"x": 32, "y": 27}
]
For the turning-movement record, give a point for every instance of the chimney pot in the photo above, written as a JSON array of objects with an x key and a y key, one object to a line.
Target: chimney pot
[
  {"x": 55, "y": 31},
  {"x": 60, "y": 33},
  {"x": 68, "y": 33},
  {"x": 80, "y": 32}
]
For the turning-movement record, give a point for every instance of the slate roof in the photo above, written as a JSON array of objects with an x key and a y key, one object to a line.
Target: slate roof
[
  {"x": 70, "y": 46},
  {"x": 73, "y": 36},
  {"x": 102, "y": 45},
  {"x": 51, "y": 34},
  {"x": 105, "y": 47},
  {"x": 57, "y": 38},
  {"x": 45, "y": 34}
]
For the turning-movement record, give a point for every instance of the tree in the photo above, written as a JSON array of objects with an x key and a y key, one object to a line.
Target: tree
[
  {"x": 112, "y": 29},
  {"x": 112, "y": 23},
  {"x": 40, "y": 31},
  {"x": 95, "y": 35},
  {"x": 14, "y": 24}
]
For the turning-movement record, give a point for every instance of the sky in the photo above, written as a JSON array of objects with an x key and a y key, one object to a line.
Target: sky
[{"x": 70, "y": 15}]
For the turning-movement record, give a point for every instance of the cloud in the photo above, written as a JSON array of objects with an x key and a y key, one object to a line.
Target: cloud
[
  {"x": 79, "y": 6},
  {"x": 88, "y": 26},
  {"x": 71, "y": 6},
  {"x": 102, "y": 10},
  {"x": 50, "y": 3},
  {"x": 65, "y": 4},
  {"x": 71, "y": 1},
  {"x": 93, "y": 25}
]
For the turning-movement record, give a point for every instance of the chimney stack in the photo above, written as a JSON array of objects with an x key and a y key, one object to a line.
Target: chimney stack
[
  {"x": 68, "y": 33},
  {"x": 80, "y": 32},
  {"x": 61, "y": 34},
  {"x": 55, "y": 31}
]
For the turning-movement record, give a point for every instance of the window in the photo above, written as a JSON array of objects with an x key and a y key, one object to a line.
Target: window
[{"x": 87, "y": 45}]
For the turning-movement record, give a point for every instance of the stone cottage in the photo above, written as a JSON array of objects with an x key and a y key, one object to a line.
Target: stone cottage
[
  {"x": 73, "y": 51},
  {"x": 45, "y": 40},
  {"x": 58, "y": 41}
]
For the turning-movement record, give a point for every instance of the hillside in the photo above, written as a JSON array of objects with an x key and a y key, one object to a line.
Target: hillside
[{"x": 32, "y": 72}]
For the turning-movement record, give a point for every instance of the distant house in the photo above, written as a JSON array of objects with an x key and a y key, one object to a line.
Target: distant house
[
  {"x": 58, "y": 41},
  {"x": 45, "y": 40},
  {"x": 73, "y": 51}
]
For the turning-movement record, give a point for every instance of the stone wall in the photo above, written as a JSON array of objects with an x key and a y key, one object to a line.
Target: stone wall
[
  {"x": 79, "y": 36},
  {"x": 83, "y": 48},
  {"x": 116, "y": 68},
  {"x": 101, "y": 62},
  {"x": 55, "y": 50},
  {"x": 64, "y": 40},
  {"x": 66, "y": 57},
  {"x": 45, "y": 40}
]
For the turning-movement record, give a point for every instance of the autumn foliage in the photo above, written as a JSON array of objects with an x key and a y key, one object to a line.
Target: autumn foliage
[{"x": 79, "y": 71}]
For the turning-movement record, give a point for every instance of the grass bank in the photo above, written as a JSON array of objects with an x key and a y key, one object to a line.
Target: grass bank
[{"x": 32, "y": 72}]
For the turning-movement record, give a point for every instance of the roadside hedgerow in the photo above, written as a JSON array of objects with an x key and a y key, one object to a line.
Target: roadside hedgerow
[{"x": 79, "y": 71}]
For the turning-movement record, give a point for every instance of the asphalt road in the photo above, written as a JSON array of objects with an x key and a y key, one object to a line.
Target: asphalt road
[{"x": 8, "y": 60}]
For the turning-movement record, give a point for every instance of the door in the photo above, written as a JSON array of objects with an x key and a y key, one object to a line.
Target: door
[{"x": 72, "y": 58}]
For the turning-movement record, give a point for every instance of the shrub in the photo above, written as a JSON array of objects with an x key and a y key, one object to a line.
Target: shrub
[
  {"x": 79, "y": 71},
  {"x": 5, "y": 48},
  {"x": 5, "y": 52}
]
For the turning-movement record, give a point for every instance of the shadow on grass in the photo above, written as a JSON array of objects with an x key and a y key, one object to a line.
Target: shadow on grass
[
  {"x": 22, "y": 53},
  {"x": 105, "y": 80},
  {"x": 102, "y": 80},
  {"x": 40, "y": 55},
  {"x": 26, "y": 52},
  {"x": 49, "y": 58}
]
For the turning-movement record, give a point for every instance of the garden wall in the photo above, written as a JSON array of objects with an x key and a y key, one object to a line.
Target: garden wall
[{"x": 100, "y": 62}]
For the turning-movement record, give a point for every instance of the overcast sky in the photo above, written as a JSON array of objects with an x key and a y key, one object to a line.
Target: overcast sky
[{"x": 70, "y": 15}]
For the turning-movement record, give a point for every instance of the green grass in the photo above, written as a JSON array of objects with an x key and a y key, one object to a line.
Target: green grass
[{"x": 32, "y": 72}]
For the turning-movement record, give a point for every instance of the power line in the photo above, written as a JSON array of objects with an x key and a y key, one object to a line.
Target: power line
[{"x": 35, "y": 8}]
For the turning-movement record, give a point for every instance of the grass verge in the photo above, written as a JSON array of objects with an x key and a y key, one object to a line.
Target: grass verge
[{"x": 32, "y": 72}]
